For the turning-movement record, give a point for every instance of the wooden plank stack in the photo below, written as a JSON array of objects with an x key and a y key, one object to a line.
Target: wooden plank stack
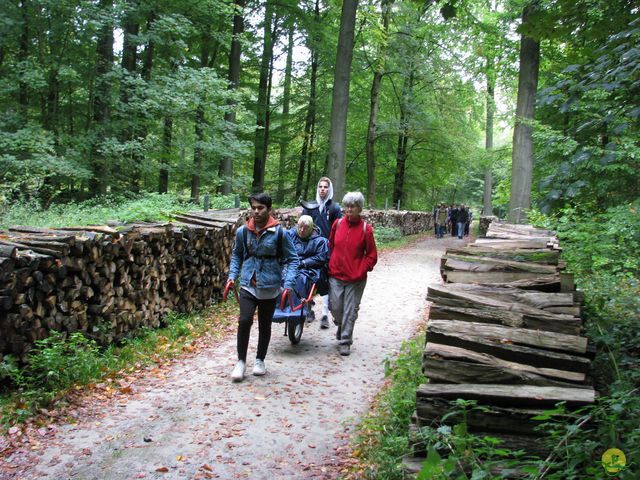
[
  {"x": 504, "y": 331},
  {"x": 106, "y": 281},
  {"x": 408, "y": 222}
]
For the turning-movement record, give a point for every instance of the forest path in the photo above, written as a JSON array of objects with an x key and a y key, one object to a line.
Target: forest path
[{"x": 295, "y": 422}]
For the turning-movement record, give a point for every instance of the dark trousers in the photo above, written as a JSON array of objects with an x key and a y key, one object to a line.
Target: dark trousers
[{"x": 248, "y": 305}]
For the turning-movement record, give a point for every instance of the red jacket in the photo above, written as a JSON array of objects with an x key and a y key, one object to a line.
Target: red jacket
[{"x": 353, "y": 252}]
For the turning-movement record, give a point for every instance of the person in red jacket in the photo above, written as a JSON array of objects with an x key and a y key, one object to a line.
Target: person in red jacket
[{"x": 353, "y": 254}]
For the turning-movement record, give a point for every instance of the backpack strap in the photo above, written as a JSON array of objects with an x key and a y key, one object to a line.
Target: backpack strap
[
  {"x": 245, "y": 242},
  {"x": 279, "y": 242},
  {"x": 248, "y": 253}
]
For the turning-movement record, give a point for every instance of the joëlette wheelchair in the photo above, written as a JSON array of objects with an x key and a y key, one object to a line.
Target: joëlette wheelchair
[{"x": 293, "y": 306}]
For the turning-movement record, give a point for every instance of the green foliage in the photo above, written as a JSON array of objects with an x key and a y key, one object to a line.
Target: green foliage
[
  {"x": 578, "y": 446},
  {"x": 590, "y": 147},
  {"x": 100, "y": 210},
  {"x": 10, "y": 372},
  {"x": 384, "y": 235},
  {"x": 58, "y": 362},
  {"x": 382, "y": 436},
  {"x": 29, "y": 160},
  {"x": 453, "y": 453},
  {"x": 601, "y": 247},
  {"x": 617, "y": 231}
]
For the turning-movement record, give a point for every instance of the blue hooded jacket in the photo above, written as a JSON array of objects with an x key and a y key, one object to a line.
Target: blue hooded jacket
[{"x": 313, "y": 252}]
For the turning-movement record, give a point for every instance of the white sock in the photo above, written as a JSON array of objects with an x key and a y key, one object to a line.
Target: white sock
[{"x": 325, "y": 305}]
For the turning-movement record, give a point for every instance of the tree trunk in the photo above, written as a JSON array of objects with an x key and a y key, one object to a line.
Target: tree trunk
[
  {"x": 310, "y": 120},
  {"x": 129, "y": 66},
  {"x": 101, "y": 100},
  {"x": 308, "y": 125},
  {"x": 23, "y": 56},
  {"x": 373, "y": 114},
  {"x": 147, "y": 65},
  {"x": 199, "y": 128},
  {"x": 198, "y": 154},
  {"x": 522, "y": 156},
  {"x": 259, "y": 161},
  {"x": 340, "y": 99},
  {"x": 167, "y": 140},
  {"x": 226, "y": 165},
  {"x": 284, "y": 134},
  {"x": 403, "y": 140},
  {"x": 50, "y": 111},
  {"x": 488, "y": 176},
  {"x": 147, "y": 58},
  {"x": 310, "y": 155},
  {"x": 267, "y": 118}
]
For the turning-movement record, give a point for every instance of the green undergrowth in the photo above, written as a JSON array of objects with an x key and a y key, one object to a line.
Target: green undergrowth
[
  {"x": 382, "y": 437},
  {"x": 392, "y": 238},
  {"x": 149, "y": 207},
  {"x": 60, "y": 363},
  {"x": 601, "y": 250}
]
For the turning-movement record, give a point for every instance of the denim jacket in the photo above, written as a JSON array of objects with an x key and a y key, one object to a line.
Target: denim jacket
[{"x": 263, "y": 262}]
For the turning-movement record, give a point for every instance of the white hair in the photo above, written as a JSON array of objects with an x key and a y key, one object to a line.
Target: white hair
[
  {"x": 306, "y": 220},
  {"x": 353, "y": 198}
]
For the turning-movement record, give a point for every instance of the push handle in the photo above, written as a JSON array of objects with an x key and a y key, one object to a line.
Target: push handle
[
  {"x": 230, "y": 286},
  {"x": 303, "y": 302}
]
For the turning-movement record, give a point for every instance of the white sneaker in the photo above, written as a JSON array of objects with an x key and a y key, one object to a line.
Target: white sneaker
[
  {"x": 238, "y": 372},
  {"x": 258, "y": 368}
]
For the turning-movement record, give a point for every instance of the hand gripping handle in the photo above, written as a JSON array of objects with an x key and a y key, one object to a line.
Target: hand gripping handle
[{"x": 230, "y": 286}]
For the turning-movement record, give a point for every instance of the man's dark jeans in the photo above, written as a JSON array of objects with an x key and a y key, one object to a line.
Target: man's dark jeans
[{"x": 248, "y": 305}]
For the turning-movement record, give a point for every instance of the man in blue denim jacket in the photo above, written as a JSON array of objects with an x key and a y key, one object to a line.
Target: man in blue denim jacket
[{"x": 258, "y": 257}]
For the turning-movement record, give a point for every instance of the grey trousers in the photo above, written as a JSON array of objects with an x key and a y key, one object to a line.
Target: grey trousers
[{"x": 344, "y": 303}]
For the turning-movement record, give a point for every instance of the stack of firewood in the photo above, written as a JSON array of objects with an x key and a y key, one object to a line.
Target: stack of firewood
[
  {"x": 509, "y": 255},
  {"x": 108, "y": 282},
  {"x": 408, "y": 222},
  {"x": 508, "y": 337}
]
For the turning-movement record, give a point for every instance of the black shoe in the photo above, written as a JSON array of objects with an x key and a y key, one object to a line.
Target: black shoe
[
  {"x": 344, "y": 349},
  {"x": 324, "y": 322}
]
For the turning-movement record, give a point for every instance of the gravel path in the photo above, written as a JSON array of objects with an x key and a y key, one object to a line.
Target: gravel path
[{"x": 293, "y": 423}]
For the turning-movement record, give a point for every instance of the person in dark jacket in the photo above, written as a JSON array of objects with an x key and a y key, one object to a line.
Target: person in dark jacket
[
  {"x": 313, "y": 252},
  {"x": 453, "y": 220},
  {"x": 261, "y": 247},
  {"x": 463, "y": 217},
  {"x": 324, "y": 212},
  {"x": 312, "y": 248},
  {"x": 353, "y": 254}
]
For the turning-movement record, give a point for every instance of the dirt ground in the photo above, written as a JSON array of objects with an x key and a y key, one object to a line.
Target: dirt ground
[{"x": 190, "y": 421}]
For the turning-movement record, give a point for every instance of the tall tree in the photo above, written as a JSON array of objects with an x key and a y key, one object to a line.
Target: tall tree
[
  {"x": 403, "y": 138},
  {"x": 226, "y": 165},
  {"x": 22, "y": 59},
  {"x": 310, "y": 119},
  {"x": 207, "y": 58},
  {"x": 129, "y": 64},
  {"x": 260, "y": 151},
  {"x": 522, "y": 156},
  {"x": 102, "y": 99},
  {"x": 286, "y": 104},
  {"x": 340, "y": 98},
  {"x": 373, "y": 113},
  {"x": 487, "y": 203}
]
